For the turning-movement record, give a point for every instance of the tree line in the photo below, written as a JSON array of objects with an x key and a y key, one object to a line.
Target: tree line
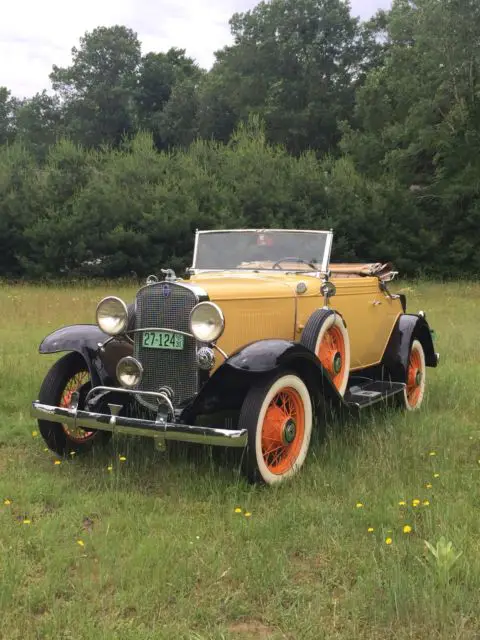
[{"x": 310, "y": 119}]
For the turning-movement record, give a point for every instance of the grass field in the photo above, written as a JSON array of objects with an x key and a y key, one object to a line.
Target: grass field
[{"x": 153, "y": 548}]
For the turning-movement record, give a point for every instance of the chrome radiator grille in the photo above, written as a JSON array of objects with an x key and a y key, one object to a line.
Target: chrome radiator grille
[{"x": 166, "y": 306}]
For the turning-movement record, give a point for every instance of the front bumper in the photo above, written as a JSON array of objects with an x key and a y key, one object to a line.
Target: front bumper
[{"x": 159, "y": 429}]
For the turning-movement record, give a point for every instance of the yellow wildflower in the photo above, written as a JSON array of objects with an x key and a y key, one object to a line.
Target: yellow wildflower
[
  {"x": 428, "y": 485},
  {"x": 7, "y": 502},
  {"x": 122, "y": 458},
  {"x": 426, "y": 503},
  {"x": 388, "y": 541},
  {"x": 57, "y": 462},
  {"x": 402, "y": 503},
  {"x": 45, "y": 449},
  {"x": 81, "y": 543},
  {"x": 247, "y": 514},
  {"x": 432, "y": 453},
  {"x": 436, "y": 475},
  {"x": 415, "y": 502},
  {"x": 238, "y": 510},
  {"x": 26, "y": 521},
  {"x": 34, "y": 434},
  {"x": 110, "y": 467},
  {"x": 370, "y": 529},
  {"x": 359, "y": 505},
  {"x": 407, "y": 529}
]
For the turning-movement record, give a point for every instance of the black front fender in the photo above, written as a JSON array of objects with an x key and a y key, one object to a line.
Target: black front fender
[
  {"x": 228, "y": 386},
  {"x": 408, "y": 328},
  {"x": 87, "y": 339}
]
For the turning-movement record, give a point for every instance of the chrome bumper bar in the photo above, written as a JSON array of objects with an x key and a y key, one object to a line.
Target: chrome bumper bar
[{"x": 72, "y": 417}]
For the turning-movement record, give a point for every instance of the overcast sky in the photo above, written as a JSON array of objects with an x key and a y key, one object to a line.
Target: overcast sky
[{"x": 35, "y": 34}]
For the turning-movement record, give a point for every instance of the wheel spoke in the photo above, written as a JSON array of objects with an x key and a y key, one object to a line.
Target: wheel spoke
[
  {"x": 75, "y": 383},
  {"x": 278, "y": 451}
]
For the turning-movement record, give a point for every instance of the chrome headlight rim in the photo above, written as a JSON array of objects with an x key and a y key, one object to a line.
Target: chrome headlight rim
[
  {"x": 129, "y": 360},
  {"x": 122, "y": 316},
  {"x": 208, "y": 339}
]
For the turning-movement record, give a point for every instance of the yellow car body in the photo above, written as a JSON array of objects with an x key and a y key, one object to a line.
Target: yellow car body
[{"x": 268, "y": 305}]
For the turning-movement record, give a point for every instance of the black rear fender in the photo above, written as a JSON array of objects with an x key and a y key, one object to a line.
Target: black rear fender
[
  {"x": 409, "y": 327},
  {"x": 87, "y": 340}
]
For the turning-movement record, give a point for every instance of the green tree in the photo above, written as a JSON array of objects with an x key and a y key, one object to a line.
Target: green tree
[
  {"x": 418, "y": 123},
  {"x": 166, "y": 96},
  {"x": 21, "y": 204},
  {"x": 7, "y": 116},
  {"x": 98, "y": 89},
  {"x": 293, "y": 62},
  {"x": 39, "y": 122}
]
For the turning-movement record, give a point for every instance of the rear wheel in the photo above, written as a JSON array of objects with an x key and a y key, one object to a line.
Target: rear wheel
[
  {"x": 326, "y": 335},
  {"x": 278, "y": 418},
  {"x": 415, "y": 382},
  {"x": 67, "y": 375}
]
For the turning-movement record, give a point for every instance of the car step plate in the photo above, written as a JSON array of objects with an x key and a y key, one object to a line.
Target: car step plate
[{"x": 366, "y": 393}]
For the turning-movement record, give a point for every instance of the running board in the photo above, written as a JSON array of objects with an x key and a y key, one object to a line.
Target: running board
[{"x": 365, "y": 392}]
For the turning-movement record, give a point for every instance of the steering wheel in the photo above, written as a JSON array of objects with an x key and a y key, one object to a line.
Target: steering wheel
[{"x": 310, "y": 264}]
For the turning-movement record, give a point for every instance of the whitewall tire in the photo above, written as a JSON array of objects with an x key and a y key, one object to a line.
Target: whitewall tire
[
  {"x": 279, "y": 418},
  {"x": 326, "y": 335},
  {"x": 414, "y": 391}
]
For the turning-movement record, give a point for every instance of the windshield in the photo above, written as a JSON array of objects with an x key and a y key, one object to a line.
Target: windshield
[{"x": 262, "y": 249}]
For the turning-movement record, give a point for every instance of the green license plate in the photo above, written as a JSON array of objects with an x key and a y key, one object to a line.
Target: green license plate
[{"x": 162, "y": 340}]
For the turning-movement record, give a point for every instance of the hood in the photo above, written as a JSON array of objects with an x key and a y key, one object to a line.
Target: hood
[{"x": 251, "y": 285}]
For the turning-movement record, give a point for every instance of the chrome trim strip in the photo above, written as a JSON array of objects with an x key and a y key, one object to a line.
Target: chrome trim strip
[
  {"x": 265, "y": 230},
  {"x": 134, "y": 392},
  {"x": 244, "y": 270},
  {"x": 195, "y": 247},
  {"x": 220, "y": 351},
  {"x": 178, "y": 283},
  {"x": 139, "y": 427},
  {"x": 328, "y": 252}
]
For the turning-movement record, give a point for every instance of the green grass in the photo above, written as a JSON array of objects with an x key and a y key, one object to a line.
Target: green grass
[{"x": 166, "y": 556}]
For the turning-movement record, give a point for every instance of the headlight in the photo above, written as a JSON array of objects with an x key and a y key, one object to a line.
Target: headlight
[
  {"x": 112, "y": 316},
  {"x": 129, "y": 372},
  {"x": 207, "y": 322}
]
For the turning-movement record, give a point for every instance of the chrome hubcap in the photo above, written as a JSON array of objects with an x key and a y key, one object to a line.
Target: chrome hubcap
[
  {"x": 289, "y": 431},
  {"x": 337, "y": 363}
]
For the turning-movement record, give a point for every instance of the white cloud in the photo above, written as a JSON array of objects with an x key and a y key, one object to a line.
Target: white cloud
[{"x": 35, "y": 35}]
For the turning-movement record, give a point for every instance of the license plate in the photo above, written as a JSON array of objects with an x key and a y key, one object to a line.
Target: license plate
[{"x": 162, "y": 340}]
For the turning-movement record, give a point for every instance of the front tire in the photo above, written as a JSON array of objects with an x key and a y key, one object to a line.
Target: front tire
[
  {"x": 278, "y": 417},
  {"x": 70, "y": 373}
]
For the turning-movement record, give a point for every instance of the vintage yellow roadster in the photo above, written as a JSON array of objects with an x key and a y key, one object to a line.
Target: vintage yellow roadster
[{"x": 249, "y": 350}]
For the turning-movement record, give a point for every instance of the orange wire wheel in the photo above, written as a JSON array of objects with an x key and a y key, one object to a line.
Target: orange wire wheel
[
  {"x": 415, "y": 378},
  {"x": 278, "y": 418},
  {"x": 67, "y": 375},
  {"x": 326, "y": 335},
  {"x": 75, "y": 384}
]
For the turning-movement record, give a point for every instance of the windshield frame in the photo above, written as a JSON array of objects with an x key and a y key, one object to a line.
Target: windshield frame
[{"x": 324, "y": 265}]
